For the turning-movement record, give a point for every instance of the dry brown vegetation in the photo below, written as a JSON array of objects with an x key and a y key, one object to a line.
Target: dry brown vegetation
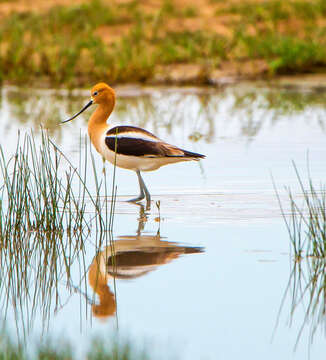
[{"x": 183, "y": 41}]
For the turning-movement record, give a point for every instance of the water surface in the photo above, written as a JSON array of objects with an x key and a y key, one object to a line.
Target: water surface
[{"x": 203, "y": 277}]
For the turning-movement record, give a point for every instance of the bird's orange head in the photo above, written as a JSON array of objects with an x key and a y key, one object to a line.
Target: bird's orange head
[{"x": 103, "y": 93}]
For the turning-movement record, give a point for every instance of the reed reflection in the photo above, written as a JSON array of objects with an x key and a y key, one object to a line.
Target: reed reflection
[
  {"x": 129, "y": 257},
  {"x": 306, "y": 291},
  {"x": 35, "y": 277}
]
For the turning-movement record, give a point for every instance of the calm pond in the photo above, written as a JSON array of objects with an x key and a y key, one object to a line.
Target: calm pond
[{"x": 207, "y": 273}]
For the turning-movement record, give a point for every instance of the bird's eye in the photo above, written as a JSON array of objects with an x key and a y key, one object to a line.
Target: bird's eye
[{"x": 95, "y": 93}]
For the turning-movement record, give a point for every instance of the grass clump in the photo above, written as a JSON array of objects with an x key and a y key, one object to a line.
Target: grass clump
[
  {"x": 306, "y": 223},
  {"x": 62, "y": 43},
  {"x": 46, "y": 214},
  {"x": 35, "y": 45},
  {"x": 34, "y": 197},
  {"x": 275, "y": 10},
  {"x": 53, "y": 350},
  {"x": 9, "y": 350},
  {"x": 283, "y": 33},
  {"x": 126, "y": 42},
  {"x": 263, "y": 11},
  {"x": 286, "y": 54},
  {"x": 190, "y": 47},
  {"x": 125, "y": 351},
  {"x": 41, "y": 191}
]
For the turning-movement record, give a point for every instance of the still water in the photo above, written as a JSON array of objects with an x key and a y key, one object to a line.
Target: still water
[{"x": 207, "y": 273}]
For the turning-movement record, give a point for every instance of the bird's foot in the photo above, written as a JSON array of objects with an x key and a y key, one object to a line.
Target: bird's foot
[
  {"x": 140, "y": 198},
  {"x": 137, "y": 199}
]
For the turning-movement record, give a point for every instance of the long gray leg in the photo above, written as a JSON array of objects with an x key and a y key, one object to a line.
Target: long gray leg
[
  {"x": 147, "y": 194},
  {"x": 142, "y": 193}
]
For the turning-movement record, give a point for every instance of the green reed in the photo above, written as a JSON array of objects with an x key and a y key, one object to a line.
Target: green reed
[
  {"x": 47, "y": 213},
  {"x": 306, "y": 288},
  {"x": 306, "y": 223},
  {"x": 37, "y": 199},
  {"x": 100, "y": 349},
  {"x": 38, "y": 192},
  {"x": 306, "y": 292}
]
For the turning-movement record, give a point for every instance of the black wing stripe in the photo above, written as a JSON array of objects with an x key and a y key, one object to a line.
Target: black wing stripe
[
  {"x": 134, "y": 146},
  {"x": 141, "y": 147}
]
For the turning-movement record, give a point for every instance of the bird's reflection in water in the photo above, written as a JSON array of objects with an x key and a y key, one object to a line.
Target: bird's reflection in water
[{"x": 129, "y": 257}]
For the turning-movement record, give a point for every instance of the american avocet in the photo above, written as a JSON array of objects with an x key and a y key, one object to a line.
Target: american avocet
[{"x": 128, "y": 147}]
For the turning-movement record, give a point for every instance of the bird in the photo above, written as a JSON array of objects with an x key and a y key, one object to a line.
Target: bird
[{"x": 126, "y": 146}]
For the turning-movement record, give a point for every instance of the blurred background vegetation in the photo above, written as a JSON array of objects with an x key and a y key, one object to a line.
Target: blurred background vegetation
[{"x": 78, "y": 42}]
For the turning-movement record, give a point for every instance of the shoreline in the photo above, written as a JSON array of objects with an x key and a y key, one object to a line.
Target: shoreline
[{"x": 311, "y": 81}]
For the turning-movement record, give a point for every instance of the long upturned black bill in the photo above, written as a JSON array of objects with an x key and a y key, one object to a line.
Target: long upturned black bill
[{"x": 82, "y": 110}]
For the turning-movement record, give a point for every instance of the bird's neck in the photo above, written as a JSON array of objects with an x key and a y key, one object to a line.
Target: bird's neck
[
  {"x": 107, "y": 304},
  {"x": 97, "y": 123},
  {"x": 98, "y": 281}
]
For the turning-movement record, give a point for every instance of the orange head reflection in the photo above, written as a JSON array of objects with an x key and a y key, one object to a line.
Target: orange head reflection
[
  {"x": 98, "y": 281},
  {"x": 133, "y": 256}
]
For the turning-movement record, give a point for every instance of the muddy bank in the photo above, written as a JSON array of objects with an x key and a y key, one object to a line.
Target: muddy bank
[{"x": 75, "y": 43}]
